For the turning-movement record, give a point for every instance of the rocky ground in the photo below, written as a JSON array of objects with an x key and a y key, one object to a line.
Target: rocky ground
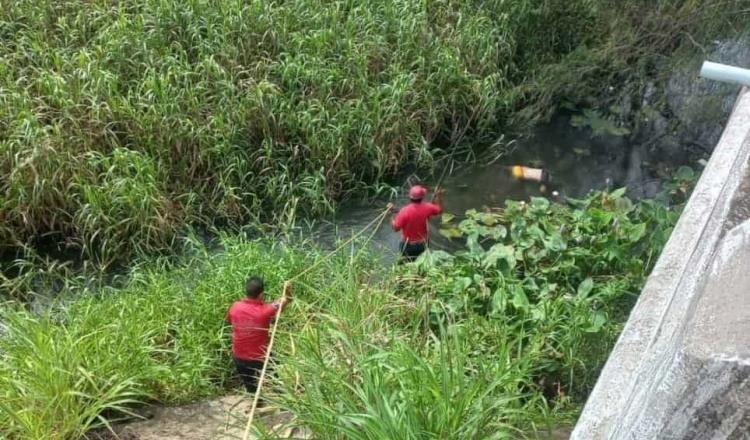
[{"x": 683, "y": 112}]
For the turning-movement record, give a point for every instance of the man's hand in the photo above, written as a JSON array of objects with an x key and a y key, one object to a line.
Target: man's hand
[
  {"x": 284, "y": 300},
  {"x": 389, "y": 207},
  {"x": 438, "y": 191},
  {"x": 286, "y": 294}
]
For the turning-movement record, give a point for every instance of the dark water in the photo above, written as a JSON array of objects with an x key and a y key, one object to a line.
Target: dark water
[{"x": 577, "y": 162}]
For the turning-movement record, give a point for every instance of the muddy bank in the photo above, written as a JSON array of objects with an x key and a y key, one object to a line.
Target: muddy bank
[{"x": 217, "y": 419}]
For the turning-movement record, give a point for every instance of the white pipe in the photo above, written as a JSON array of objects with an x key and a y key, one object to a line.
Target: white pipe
[{"x": 722, "y": 72}]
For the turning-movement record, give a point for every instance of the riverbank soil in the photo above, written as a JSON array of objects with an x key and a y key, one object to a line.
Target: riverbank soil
[
  {"x": 217, "y": 419},
  {"x": 225, "y": 418}
]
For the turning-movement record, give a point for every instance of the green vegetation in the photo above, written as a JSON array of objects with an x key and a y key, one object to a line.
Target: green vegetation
[
  {"x": 124, "y": 124},
  {"x": 120, "y": 123},
  {"x": 158, "y": 337},
  {"x": 497, "y": 341}
]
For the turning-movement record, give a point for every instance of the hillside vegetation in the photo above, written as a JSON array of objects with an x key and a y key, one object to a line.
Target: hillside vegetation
[{"x": 122, "y": 122}]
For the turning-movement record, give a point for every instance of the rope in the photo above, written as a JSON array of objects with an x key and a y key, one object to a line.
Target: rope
[
  {"x": 374, "y": 231},
  {"x": 285, "y": 292},
  {"x": 265, "y": 366},
  {"x": 445, "y": 169},
  {"x": 379, "y": 219}
]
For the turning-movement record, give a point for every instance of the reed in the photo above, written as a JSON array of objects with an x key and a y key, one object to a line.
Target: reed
[{"x": 122, "y": 123}]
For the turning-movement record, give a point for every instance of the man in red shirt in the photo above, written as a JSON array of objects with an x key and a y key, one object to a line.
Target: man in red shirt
[
  {"x": 411, "y": 220},
  {"x": 250, "y": 319}
]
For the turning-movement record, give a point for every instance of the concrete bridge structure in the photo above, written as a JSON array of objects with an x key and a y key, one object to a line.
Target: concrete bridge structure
[{"x": 681, "y": 367}]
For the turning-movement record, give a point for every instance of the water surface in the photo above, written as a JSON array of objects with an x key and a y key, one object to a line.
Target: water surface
[{"x": 577, "y": 162}]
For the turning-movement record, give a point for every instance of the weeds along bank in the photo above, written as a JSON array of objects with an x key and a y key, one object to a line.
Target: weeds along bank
[
  {"x": 499, "y": 339},
  {"x": 122, "y": 122}
]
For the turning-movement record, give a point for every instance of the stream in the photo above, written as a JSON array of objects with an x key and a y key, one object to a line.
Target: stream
[{"x": 577, "y": 162}]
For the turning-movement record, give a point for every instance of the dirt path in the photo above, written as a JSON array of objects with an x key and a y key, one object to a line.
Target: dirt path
[
  {"x": 223, "y": 419},
  {"x": 219, "y": 419}
]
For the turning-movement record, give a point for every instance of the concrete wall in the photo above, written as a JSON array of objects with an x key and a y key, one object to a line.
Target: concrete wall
[{"x": 681, "y": 368}]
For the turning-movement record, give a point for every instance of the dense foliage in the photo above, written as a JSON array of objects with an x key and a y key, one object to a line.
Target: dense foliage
[
  {"x": 120, "y": 122},
  {"x": 510, "y": 332},
  {"x": 495, "y": 341},
  {"x": 545, "y": 266}
]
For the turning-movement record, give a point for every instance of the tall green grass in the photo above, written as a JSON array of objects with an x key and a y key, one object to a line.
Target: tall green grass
[
  {"x": 500, "y": 340},
  {"x": 122, "y": 122},
  {"x": 159, "y": 337},
  {"x": 59, "y": 379}
]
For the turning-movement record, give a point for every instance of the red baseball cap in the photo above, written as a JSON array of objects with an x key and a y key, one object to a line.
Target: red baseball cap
[{"x": 417, "y": 192}]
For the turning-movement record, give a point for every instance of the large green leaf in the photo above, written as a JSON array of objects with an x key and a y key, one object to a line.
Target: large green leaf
[
  {"x": 624, "y": 204},
  {"x": 520, "y": 300},
  {"x": 499, "y": 301},
  {"x": 685, "y": 173},
  {"x": 597, "y": 321},
  {"x": 616, "y": 194},
  {"x": 447, "y": 217},
  {"x": 469, "y": 226},
  {"x": 555, "y": 243},
  {"x": 497, "y": 232},
  {"x": 500, "y": 252},
  {"x": 585, "y": 288},
  {"x": 637, "y": 232},
  {"x": 486, "y": 218},
  {"x": 539, "y": 204},
  {"x": 432, "y": 258},
  {"x": 451, "y": 232},
  {"x": 472, "y": 242}
]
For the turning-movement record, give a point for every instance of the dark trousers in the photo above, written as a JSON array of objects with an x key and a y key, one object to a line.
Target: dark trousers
[
  {"x": 249, "y": 370},
  {"x": 410, "y": 251}
]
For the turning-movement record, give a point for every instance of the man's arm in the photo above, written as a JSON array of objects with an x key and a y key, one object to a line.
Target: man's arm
[
  {"x": 272, "y": 309},
  {"x": 398, "y": 221},
  {"x": 280, "y": 303},
  {"x": 286, "y": 297}
]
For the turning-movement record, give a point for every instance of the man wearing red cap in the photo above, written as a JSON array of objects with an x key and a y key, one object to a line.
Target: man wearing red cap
[{"x": 411, "y": 220}]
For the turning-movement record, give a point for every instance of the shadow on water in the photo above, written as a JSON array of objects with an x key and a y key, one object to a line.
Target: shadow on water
[{"x": 577, "y": 162}]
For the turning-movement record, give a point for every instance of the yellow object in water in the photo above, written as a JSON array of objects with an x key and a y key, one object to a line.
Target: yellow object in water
[
  {"x": 517, "y": 171},
  {"x": 521, "y": 172}
]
